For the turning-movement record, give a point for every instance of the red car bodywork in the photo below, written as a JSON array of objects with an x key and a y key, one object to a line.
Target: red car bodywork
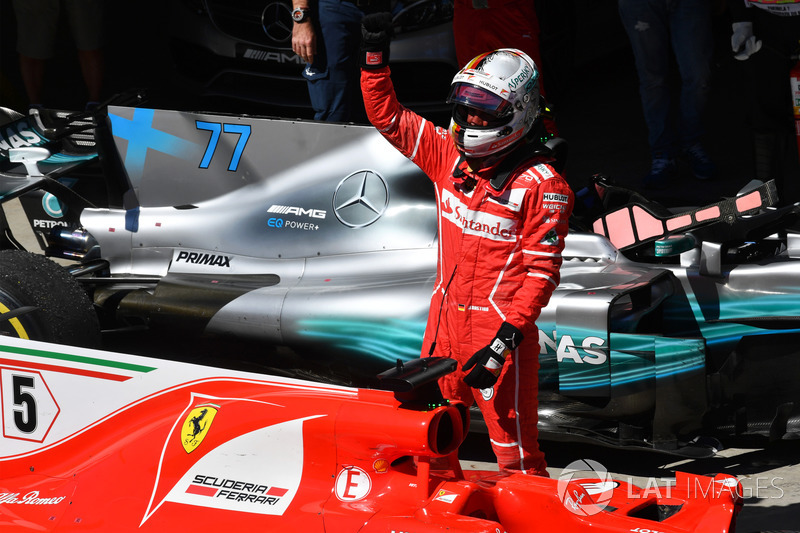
[{"x": 95, "y": 441}]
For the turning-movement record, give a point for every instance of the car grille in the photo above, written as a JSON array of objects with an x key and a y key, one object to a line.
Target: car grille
[{"x": 263, "y": 22}]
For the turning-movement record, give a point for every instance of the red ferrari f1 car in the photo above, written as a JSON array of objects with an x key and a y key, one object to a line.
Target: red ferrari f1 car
[{"x": 100, "y": 441}]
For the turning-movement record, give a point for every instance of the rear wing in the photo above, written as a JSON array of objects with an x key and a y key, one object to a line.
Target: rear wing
[
  {"x": 66, "y": 135},
  {"x": 38, "y": 148},
  {"x": 635, "y": 224}
]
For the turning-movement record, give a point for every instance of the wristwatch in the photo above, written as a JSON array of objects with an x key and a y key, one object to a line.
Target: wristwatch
[{"x": 301, "y": 14}]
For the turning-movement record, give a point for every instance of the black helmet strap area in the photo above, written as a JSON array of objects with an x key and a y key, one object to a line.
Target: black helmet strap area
[{"x": 520, "y": 154}]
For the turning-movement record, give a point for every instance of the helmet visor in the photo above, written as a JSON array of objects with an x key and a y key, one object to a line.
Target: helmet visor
[{"x": 479, "y": 98}]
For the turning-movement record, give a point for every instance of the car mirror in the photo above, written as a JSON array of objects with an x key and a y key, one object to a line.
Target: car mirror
[{"x": 30, "y": 157}]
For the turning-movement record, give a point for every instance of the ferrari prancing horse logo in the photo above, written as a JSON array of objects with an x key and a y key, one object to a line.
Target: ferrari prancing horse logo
[{"x": 195, "y": 427}]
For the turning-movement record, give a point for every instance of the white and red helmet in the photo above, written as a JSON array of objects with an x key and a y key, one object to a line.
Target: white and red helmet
[{"x": 504, "y": 83}]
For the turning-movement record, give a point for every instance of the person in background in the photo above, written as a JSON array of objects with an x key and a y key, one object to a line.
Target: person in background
[
  {"x": 657, "y": 30},
  {"x": 37, "y": 31},
  {"x": 766, "y": 39},
  {"x": 503, "y": 214},
  {"x": 326, "y": 36}
]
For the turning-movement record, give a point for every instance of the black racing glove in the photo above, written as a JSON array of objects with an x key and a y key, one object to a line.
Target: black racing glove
[
  {"x": 488, "y": 361},
  {"x": 376, "y": 34}
]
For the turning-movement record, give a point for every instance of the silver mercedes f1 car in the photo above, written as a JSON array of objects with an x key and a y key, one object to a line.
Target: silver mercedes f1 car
[{"x": 670, "y": 328}]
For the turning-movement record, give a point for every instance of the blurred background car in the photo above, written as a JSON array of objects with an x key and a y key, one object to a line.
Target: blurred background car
[{"x": 241, "y": 52}]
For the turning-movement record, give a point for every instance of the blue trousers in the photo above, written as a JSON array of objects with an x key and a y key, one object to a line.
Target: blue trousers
[
  {"x": 657, "y": 28},
  {"x": 333, "y": 77}
]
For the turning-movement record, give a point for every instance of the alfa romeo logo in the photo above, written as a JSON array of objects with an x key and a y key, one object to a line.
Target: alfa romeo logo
[
  {"x": 360, "y": 199},
  {"x": 276, "y": 19}
]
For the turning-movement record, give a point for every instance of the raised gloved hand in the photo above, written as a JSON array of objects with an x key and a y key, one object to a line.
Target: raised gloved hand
[
  {"x": 376, "y": 34},
  {"x": 743, "y": 42},
  {"x": 488, "y": 361}
]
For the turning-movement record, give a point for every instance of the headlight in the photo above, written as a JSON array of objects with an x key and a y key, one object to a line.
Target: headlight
[{"x": 410, "y": 15}]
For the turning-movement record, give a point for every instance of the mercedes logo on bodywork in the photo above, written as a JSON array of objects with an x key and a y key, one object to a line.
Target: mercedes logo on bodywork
[
  {"x": 276, "y": 19},
  {"x": 360, "y": 199}
]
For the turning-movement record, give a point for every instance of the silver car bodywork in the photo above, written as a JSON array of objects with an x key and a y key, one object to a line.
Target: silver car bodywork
[{"x": 323, "y": 237}]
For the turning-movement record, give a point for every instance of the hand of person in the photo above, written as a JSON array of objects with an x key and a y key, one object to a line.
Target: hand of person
[
  {"x": 376, "y": 34},
  {"x": 304, "y": 41},
  {"x": 743, "y": 42},
  {"x": 488, "y": 361}
]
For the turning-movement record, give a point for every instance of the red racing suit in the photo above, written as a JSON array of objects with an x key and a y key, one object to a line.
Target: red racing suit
[{"x": 499, "y": 260}]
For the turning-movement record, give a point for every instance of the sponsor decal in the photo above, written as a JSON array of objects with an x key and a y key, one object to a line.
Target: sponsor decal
[
  {"x": 30, "y": 498},
  {"x": 276, "y": 21},
  {"x": 555, "y": 198},
  {"x": 280, "y": 223},
  {"x": 585, "y": 350},
  {"x": 507, "y": 140},
  {"x": 550, "y": 239},
  {"x": 236, "y": 490},
  {"x": 52, "y": 206},
  {"x": 256, "y": 472},
  {"x": 488, "y": 85},
  {"x": 48, "y": 224},
  {"x": 360, "y": 199},
  {"x": 374, "y": 58},
  {"x": 299, "y": 211},
  {"x": 272, "y": 56},
  {"x": 19, "y": 135},
  {"x": 352, "y": 484},
  {"x": 196, "y": 426},
  {"x": 197, "y": 258},
  {"x": 514, "y": 82},
  {"x": 477, "y": 223},
  {"x": 543, "y": 170},
  {"x": 381, "y": 466},
  {"x": 446, "y": 496}
]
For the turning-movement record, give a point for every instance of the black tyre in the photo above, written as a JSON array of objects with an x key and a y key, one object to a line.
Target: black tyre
[{"x": 53, "y": 306}]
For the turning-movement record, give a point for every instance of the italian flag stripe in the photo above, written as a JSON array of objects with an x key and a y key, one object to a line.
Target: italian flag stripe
[{"x": 77, "y": 359}]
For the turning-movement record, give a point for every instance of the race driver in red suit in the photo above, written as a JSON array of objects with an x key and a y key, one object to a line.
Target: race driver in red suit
[{"x": 502, "y": 222}]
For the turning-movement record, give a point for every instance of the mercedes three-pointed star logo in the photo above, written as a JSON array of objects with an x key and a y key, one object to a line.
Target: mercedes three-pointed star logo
[
  {"x": 360, "y": 199},
  {"x": 276, "y": 19}
]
